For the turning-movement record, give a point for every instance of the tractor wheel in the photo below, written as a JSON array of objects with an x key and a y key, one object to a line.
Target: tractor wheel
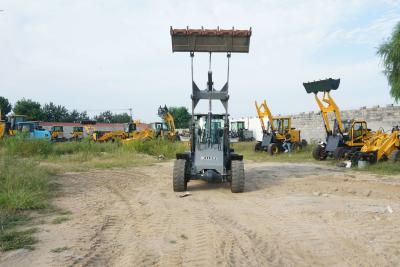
[
  {"x": 340, "y": 153},
  {"x": 273, "y": 149},
  {"x": 297, "y": 147},
  {"x": 237, "y": 179},
  {"x": 319, "y": 153},
  {"x": 257, "y": 147},
  {"x": 179, "y": 180},
  {"x": 304, "y": 143},
  {"x": 395, "y": 157}
]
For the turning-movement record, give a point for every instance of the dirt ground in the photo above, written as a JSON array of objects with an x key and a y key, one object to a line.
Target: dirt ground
[{"x": 290, "y": 215}]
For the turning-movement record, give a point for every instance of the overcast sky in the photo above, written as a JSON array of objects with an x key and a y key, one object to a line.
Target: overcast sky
[{"x": 99, "y": 55}]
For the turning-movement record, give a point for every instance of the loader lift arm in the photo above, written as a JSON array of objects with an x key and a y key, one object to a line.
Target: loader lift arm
[
  {"x": 262, "y": 112},
  {"x": 326, "y": 103},
  {"x": 167, "y": 117}
]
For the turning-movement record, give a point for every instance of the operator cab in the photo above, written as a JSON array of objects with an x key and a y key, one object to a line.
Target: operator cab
[{"x": 207, "y": 136}]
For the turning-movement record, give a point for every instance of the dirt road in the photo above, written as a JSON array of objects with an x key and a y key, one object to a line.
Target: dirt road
[{"x": 290, "y": 215}]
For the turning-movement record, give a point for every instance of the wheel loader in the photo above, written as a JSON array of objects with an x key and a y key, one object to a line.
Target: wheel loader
[
  {"x": 381, "y": 146},
  {"x": 275, "y": 132},
  {"x": 77, "y": 133},
  {"x": 345, "y": 136},
  {"x": 57, "y": 134},
  {"x": 210, "y": 157}
]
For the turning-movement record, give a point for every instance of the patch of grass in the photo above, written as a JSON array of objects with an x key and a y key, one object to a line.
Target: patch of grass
[
  {"x": 23, "y": 184},
  {"x": 9, "y": 220},
  {"x": 60, "y": 220},
  {"x": 59, "y": 250},
  {"x": 157, "y": 147},
  {"x": 17, "y": 239},
  {"x": 247, "y": 150},
  {"x": 382, "y": 168}
]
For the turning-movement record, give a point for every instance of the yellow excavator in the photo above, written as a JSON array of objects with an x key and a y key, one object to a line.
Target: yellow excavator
[
  {"x": 345, "y": 136},
  {"x": 276, "y": 131}
]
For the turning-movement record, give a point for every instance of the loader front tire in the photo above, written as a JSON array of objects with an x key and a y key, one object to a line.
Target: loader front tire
[
  {"x": 319, "y": 153},
  {"x": 237, "y": 179},
  {"x": 179, "y": 181},
  {"x": 273, "y": 149}
]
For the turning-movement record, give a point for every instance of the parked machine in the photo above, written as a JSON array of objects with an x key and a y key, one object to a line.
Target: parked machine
[
  {"x": 112, "y": 136},
  {"x": 57, "y": 133},
  {"x": 77, "y": 133},
  {"x": 345, "y": 137},
  {"x": 11, "y": 124},
  {"x": 2, "y": 126},
  {"x": 167, "y": 129},
  {"x": 240, "y": 133},
  {"x": 380, "y": 146},
  {"x": 210, "y": 157},
  {"x": 275, "y": 132},
  {"x": 33, "y": 130}
]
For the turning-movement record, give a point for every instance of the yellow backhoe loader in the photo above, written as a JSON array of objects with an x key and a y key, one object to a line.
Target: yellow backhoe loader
[
  {"x": 128, "y": 132},
  {"x": 276, "y": 131},
  {"x": 344, "y": 137},
  {"x": 165, "y": 129},
  {"x": 169, "y": 131}
]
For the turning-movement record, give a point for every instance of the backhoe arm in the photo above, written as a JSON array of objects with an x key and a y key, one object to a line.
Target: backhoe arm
[{"x": 262, "y": 112}]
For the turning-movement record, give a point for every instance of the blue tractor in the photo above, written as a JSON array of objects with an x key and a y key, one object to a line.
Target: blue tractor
[{"x": 34, "y": 130}]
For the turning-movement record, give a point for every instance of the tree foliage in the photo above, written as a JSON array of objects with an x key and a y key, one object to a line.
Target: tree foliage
[
  {"x": 55, "y": 113},
  {"x": 5, "y": 107},
  {"x": 181, "y": 116},
  {"x": 108, "y": 116},
  {"x": 30, "y": 108},
  {"x": 390, "y": 53}
]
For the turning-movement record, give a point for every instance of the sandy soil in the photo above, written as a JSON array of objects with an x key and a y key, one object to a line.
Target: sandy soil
[{"x": 290, "y": 215}]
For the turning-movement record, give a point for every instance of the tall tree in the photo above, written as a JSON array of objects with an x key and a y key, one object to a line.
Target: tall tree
[
  {"x": 29, "y": 108},
  {"x": 55, "y": 113},
  {"x": 105, "y": 116},
  {"x": 390, "y": 53},
  {"x": 5, "y": 107},
  {"x": 181, "y": 117}
]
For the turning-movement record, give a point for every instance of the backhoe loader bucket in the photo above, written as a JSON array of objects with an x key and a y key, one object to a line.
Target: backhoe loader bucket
[
  {"x": 210, "y": 40},
  {"x": 322, "y": 85}
]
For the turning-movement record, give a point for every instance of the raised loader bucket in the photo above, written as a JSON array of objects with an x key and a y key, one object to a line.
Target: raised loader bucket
[
  {"x": 210, "y": 40},
  {"x": 322, "y": 85}
]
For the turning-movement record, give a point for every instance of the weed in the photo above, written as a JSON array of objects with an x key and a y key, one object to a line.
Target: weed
[
  {"x": 60, "y": 220},
  {"x": 59, "y": 250},
  {"x": 17, "y": 239}
]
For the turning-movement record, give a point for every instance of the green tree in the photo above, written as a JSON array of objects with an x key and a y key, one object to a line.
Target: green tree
[
  {"x": 105, "y": 116},
  {"x": 390, "y": 53},
  {"x": 55, "y": 113},
  {"x": 108, "y": 116},
  {"x": 181, "y": 116},
  {"x": 5, "y": 107},
  {"x": 29, "y": 108},
  {"x": 121, "y": 118}
]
